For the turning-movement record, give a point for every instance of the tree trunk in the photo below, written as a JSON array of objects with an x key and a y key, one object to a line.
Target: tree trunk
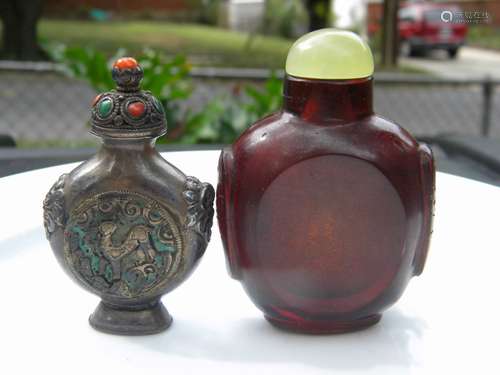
[
  {"x": 318, "y": 11},
  {"x": 20, "y": 19},
  {"x": 390, "y": 34}
]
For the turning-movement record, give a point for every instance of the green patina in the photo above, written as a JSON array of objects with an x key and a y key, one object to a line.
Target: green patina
[
  {"x": 154, "y": 215},
  {"x": 115, "y": 225},
  {"x": 159, "y": 261},
  {"x": 136, "y": 281},
  {"x": 150, "y": 278},
  {"x": 108, "y": 273},
  {"x": 95, "y": 263},
  {"x": 84, "y": 248},
  {"x": 105, "y": 107},
  {"x": 162, "y": 247}
]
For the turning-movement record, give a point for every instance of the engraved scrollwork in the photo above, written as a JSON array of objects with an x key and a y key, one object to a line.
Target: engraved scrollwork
[
  {"x": 122, "y": 243},
  {"x": 53, "y": 207},
  {"x": 200, "y": 198}
]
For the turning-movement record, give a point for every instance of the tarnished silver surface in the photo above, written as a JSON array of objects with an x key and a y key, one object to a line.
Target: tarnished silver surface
[{"x": 125, "y": 224}]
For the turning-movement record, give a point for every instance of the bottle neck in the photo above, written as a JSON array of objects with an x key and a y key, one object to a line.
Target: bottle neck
[
  {"x": 129, "y": 145},
  {"x": 329, "y": 102}
]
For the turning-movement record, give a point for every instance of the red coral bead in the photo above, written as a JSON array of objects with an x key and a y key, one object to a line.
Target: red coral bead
[
  {"x": 96, "y": 99},
  {"x": 126, "y": 63},
  {"x": 136, "y": 109}
]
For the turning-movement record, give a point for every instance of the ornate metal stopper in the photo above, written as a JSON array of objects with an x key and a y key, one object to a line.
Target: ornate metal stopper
[{"x": 127, "y": 112}]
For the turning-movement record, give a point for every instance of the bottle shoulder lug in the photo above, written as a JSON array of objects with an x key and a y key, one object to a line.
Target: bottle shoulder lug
[
  {"x": 199, "y": 197},
  {"x": 54, "y": 207}
]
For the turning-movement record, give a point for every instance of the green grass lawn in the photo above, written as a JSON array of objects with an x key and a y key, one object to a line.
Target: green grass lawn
[
  {"x": 205, "y": 45},
  {"x": 484, "y": 36}
]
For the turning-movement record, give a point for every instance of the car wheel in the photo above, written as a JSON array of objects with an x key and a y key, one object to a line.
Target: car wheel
[
  {"x": 418, "y": 52},
  {"x": 452, "y": 53}
]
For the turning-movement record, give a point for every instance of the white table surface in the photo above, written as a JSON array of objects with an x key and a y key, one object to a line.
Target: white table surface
[{"x": 447, "y": 322}]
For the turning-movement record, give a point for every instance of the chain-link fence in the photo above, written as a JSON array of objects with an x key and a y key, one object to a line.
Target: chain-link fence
[
  {"x": 431, "y": 106},
  {"x": 42, "y": 104}
]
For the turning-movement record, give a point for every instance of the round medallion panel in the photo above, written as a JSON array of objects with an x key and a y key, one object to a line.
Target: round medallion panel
[{"x": 122, "y": 244}]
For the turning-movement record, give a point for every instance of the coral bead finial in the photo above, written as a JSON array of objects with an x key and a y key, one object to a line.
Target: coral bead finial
[
  {"x": 330, "y": 54},
  {"x": 127, "y": 74},
  {"x": 126, "y": 63}
]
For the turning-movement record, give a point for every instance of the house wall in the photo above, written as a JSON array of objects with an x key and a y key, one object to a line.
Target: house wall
[{"x": 122, "y": 7}]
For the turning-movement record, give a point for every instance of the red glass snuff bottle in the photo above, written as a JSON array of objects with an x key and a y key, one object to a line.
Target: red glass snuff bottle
[{"x": 325, "y": 209}]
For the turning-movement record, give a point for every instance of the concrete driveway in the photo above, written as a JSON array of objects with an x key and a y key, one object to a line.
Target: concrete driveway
[{"x": 470, "y": 63}]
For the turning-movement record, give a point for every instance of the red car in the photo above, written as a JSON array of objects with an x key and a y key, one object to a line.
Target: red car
[{"x": 424, "y": 27}]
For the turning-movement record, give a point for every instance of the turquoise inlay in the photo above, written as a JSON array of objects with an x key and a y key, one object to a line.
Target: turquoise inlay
[
  {"x": 81, "y": 240},
  {"x": 108, "y": 273},
  {"x": 158, "y": 261},
  {"x": 155, "y": 215},
  {"x": 94, "y": 263},
  {"x": 159, "y": 245},
  {"x": 105, "y": 107},
  {"x": 150, "y": 277},
  {"x": 128, "y": 254}
]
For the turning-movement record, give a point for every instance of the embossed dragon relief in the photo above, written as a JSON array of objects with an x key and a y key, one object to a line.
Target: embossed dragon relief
[
  {"x": 122, "y": 243},
  {"x": 200, "y": 199}
]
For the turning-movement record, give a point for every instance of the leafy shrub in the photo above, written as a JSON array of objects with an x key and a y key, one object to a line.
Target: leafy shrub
[
  {"x": 225, "y": 118},
  {"x": 220, "y": 121},
  {"x": 167, "y": 79}
]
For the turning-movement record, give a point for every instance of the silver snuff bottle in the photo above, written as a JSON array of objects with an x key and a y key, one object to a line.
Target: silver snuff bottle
[{"x": 127, "y": 225}]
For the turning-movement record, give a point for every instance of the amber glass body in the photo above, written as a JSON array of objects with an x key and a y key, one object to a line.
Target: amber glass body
[{"x": 325, "y": 209}]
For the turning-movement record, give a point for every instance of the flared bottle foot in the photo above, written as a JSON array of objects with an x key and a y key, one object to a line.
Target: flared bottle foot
[
  {"x": 148, "y": 321},
  {"x": 325, "y": 327}
]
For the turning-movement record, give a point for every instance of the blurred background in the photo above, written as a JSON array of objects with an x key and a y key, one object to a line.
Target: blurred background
[{"x": 217, "y": 67}]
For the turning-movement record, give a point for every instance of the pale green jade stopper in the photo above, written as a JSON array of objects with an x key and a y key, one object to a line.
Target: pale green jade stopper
[{"x": 330, "y": 54}]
